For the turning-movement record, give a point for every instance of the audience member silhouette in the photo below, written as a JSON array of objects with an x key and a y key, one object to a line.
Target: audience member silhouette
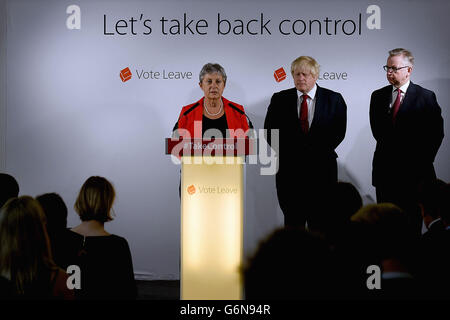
[
  {"x": 56, "y": 212},
  {"x": 433, "y": 257},
  {"x": 387, "y": 241},
  {"x": 9, "y": 188},
  {"x": 25, "y": 254},
  {"x": 104, "y": 259},
  {"x": 291, "y": 263},
  {"x": 429, "y": 202},
  {"x": 338, "y": 204},
  {"x": 336, "y": 207}
]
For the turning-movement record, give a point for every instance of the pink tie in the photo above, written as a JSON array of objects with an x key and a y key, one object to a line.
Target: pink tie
[
  {"x": 396, "y": 105},
  {"x": 304, "y": 114}
]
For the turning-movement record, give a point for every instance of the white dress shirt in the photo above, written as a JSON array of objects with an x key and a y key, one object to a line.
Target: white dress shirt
[
  {"x": 311, "y": 103},
  {"x": 395, "y": 92}
]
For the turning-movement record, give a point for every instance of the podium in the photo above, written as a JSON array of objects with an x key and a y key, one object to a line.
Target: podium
[{"x": 212, "y": 214}]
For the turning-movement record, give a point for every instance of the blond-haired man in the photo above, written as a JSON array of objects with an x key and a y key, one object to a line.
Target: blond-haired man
[{"x": 312, "y": 122}]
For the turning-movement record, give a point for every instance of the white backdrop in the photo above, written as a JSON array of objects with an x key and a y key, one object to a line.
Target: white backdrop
[{"x": 67, "y": 114}]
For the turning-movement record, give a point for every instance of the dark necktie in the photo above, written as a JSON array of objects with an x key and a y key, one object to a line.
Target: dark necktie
[
  {"x": 396, "y": 105},
  {"x": 304, "y": 114}
]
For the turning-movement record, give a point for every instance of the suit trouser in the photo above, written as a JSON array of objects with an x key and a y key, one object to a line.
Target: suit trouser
[
  {"x": 302, "y": 189},
  {"x": 295, "y": 210},
  {"x": 302, "y": 203}
]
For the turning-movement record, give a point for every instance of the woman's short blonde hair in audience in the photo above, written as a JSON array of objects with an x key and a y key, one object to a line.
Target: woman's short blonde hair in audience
[{"x": 95, "y": 200}]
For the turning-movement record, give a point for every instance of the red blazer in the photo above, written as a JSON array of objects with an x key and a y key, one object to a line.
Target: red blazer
[{"x": 194, "y": 112}]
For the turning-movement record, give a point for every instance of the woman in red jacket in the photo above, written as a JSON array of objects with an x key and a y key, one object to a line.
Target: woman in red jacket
[{"x": 212, "y": 111}]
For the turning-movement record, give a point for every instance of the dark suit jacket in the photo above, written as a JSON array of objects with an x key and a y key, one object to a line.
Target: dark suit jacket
[
  {"x": 405, "y": 150},
  {"x": 433, "y": 238},
  {"x": 436, "y": 227},
  {"x": 310, "y": 155},
  {"x": 434, "y": 263}
]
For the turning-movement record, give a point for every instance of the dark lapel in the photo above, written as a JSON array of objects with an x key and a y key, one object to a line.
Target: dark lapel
[
  {"x": 409, "y": 99},
  {"x": 387, "y": 98},
  {"x": 319, "y": 106},
  {"x": 291, "y": 104},
  {"x": 383, "y": 113}
]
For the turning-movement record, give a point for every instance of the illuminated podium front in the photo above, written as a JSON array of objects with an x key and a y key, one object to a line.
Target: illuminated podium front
[{"x": 212, "y": 212}]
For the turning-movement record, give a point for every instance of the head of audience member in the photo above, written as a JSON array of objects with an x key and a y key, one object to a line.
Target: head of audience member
[
  {"x": 399, "y": 67},
  {"x": 305, "y": 71},
  {"x": 347, "y": 199},
  {"x": 9, "y": 188},
  {"x": 290, "y": 264},
  {"x": 386, "y": 232},
  {"x": 341, "y": 202},
  {"x": 25, "y": 254},
  {"x": 95, "y": 200},
  {"x": 55, "y": 210},
  {"x": 429, "y": 200}
]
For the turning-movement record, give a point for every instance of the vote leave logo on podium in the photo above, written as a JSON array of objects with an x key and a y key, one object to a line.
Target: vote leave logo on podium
[
  {"x": 125, "y": 74},
  {"x": 191, "y": 190}
]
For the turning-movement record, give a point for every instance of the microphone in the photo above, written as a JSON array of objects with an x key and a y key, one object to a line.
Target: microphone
[{"x": 250, "y": 124}]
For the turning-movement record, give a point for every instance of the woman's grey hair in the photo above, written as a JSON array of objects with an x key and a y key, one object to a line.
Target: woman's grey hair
[
  {"x": 212, "y": 68},
  {"x": 407, "y": 55}
]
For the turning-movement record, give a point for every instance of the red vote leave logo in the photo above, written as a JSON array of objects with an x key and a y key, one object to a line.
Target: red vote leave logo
[
  {"x": 125, "y": 74},
  {"x": 279, "y": 75}
]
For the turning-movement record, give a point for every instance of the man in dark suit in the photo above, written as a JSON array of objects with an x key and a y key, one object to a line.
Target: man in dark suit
[
  {"x": 433, "y": 258},
  {"x": 429, "y": 199},
  {"x": 407, "y": 125},
  {"x": 312, "y": 122}
]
